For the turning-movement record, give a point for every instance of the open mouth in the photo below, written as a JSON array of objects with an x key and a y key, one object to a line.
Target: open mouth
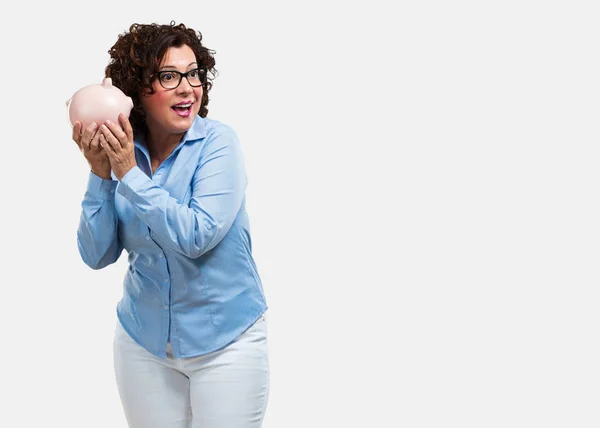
[{"x": 183, "y": 109}]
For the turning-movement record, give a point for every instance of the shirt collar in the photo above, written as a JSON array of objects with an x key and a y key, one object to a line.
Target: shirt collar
[{"x": 196, "y": 131}]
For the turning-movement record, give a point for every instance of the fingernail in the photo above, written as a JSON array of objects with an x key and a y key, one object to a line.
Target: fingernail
[{"x": 108, "y": 122}]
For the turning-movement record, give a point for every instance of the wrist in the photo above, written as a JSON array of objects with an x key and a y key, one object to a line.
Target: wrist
[
  {"x": 102, "y": 174},
  {"x": 122, "y": 172}
]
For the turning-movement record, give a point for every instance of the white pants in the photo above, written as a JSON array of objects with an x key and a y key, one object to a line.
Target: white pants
[{"x": 228, "y": 388}]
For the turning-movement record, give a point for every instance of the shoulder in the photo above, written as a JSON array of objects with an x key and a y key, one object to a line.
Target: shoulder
[
  {"x": 218, "y": 148},
  {"x": 211, "y": 139},
  {"x": 219, "y": 135},
  {"x": 215, "y": 128},
  {"x": 205, "y": 130}
]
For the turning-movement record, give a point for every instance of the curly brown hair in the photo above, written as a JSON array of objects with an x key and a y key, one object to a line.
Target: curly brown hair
[{"x": 136, "y": 57}]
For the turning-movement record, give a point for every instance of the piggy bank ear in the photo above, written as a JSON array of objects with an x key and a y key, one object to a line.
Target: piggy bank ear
[
  {"x": 68, "y": 103},
  {"x": 107, "y": 82}
]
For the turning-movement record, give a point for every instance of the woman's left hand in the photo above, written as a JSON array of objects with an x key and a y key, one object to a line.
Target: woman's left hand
[{"x": 117, "y": 141}]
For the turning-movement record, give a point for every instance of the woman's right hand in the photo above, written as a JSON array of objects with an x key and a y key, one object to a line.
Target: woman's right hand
[{"x": 88, "y": 142}]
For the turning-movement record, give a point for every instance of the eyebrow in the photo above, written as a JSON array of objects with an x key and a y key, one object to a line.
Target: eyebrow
[{"x": 172, "y": 66}]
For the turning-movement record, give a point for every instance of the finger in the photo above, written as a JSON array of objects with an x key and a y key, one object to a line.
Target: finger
[
  {"x": 117, "y": 132},
  {"x": 126, "y": 125},
  {"x": 77, "y": 134},
  {"x": 95, "y": 142},
  {"x": 88, "y": 134},
  {"x": 108, "y": 139},
  {"x": 110, "y": 151}
]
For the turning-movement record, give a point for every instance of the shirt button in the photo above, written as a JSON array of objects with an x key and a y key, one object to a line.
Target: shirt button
[
  {"x": 166, "y": 307},
  {"x": 160, "y": 256},
  {"x": 112, "y": 190},
  {"x": 147, "y": 238}
]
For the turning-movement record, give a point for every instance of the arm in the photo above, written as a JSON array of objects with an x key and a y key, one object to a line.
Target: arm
[
  {"x": 218, "y": 188},
  {"x": 97, "y": 238}
]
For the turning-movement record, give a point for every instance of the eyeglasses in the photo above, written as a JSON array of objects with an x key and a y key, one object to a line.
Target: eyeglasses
[{"x": 171, "y": 79}]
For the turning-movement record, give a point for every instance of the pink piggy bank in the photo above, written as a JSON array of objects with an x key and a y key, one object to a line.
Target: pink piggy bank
[{"x": 98, "y": 103}]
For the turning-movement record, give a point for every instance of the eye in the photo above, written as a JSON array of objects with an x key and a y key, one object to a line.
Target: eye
[
  {"x": 193, "y": 74},
  {"x": 167, "y": 76}
]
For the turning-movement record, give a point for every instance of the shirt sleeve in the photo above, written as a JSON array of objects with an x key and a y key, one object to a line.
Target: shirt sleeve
[
  {"x": 97, "y": 237},
  {"x": 218, "y": 189}
]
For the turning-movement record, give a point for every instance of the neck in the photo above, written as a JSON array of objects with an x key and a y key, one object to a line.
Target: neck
[{"x": 161, "y": 146}]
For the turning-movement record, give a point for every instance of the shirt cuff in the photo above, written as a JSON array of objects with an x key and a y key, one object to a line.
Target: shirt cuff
[
  {"x": 101, "y": 188},
  {"x": 132, "y": 182}
]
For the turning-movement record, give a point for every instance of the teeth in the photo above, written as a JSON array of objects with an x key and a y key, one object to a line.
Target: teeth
[{"x": 183, "y": 105}]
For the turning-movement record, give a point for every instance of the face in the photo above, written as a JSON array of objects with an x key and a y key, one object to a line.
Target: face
[{"x": 172, "y": 111}]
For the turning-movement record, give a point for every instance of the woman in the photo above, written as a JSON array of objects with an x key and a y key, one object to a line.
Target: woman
[{"x": 168, "y": 186}]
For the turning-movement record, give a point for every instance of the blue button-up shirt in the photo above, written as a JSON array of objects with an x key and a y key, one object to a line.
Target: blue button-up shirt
[{"x": 192, "y": 280}]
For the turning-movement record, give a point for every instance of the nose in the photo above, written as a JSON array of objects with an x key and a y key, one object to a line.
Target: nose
[{"x": 185, "y": 87}]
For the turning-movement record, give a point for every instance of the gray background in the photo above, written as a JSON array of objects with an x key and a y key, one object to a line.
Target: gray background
[{"x": 423, "y": 194}]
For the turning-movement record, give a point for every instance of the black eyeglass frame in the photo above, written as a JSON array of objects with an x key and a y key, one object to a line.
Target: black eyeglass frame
[{"x": 201, "y": 73}]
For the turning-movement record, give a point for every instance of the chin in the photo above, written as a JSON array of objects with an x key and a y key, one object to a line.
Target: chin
[
  {"x": 183, "y": 124},
  {"x": 181, "y": 129}
]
